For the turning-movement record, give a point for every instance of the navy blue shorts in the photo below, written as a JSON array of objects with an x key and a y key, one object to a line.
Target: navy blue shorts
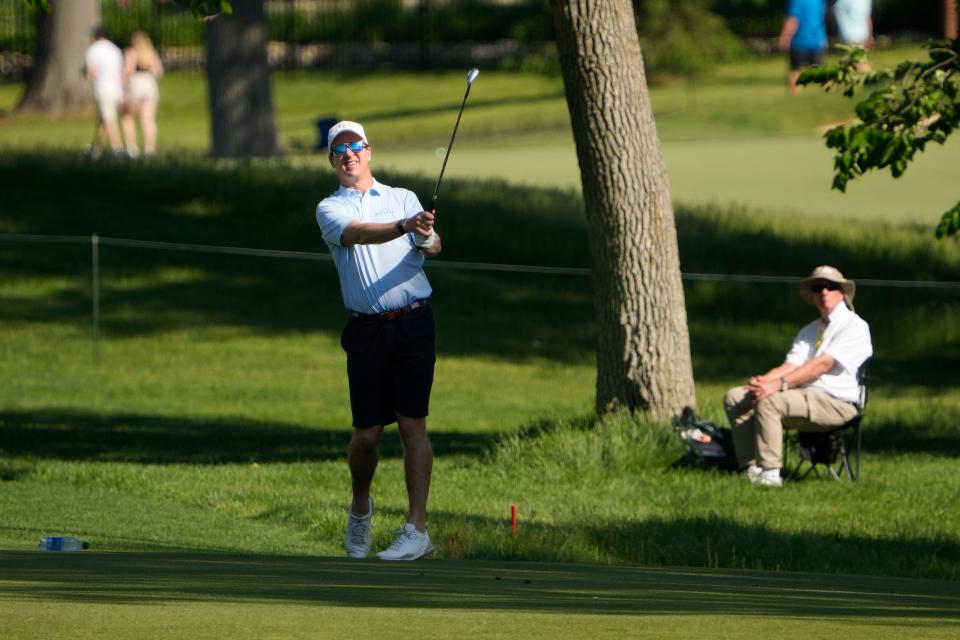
[
  {"x": 802, "y": 59},
  {"x": 390, "y": 366}
]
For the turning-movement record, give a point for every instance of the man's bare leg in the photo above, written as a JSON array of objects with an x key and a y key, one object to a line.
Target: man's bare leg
[
  {"x": 418, "y": 467},
  {"x": 129, "y": 134},
  {"x": 363, "y": 455}
]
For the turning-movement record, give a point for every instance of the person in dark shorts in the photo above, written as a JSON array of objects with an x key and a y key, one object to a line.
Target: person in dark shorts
[
  {"x": 804, "y": 35},
  {"x": 378, "y": 236}
]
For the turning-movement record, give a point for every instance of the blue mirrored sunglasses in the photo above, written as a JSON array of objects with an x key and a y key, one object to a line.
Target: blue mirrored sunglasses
[{"x": 357, "y": 146}]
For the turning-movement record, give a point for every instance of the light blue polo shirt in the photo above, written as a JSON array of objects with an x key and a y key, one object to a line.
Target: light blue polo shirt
[
  {"x": 811, "y": 34},
  {"x": 374, "y": 278}
]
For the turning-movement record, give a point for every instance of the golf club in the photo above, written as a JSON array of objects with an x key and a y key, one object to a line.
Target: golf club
[{"x": 471, "y": 76}]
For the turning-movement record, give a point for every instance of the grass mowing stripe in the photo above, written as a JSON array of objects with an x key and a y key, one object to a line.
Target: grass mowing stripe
[{"x": 441, "y": 597}]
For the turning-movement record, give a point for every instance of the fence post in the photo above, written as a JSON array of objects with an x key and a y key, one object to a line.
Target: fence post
[{"x": 95, "y": 258}]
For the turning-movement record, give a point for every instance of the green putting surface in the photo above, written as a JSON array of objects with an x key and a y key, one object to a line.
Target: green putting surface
[
  {"x": 773, "y": 174},
  {"x": 180, "y": 595}
]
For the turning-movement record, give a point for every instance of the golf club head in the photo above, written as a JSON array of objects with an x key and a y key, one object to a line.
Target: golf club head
[{"x": 472, "y": 75}]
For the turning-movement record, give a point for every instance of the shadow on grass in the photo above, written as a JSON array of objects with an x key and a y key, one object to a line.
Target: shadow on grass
[
  {"x": 82, "y": 435},
  {"x": 511, "y": 316},
  {"x": 702, "y": 541},
  {"x": 451, "y": 107},
  {"x": 939, "y": 436},
  {"x": 155, "y": 578}
]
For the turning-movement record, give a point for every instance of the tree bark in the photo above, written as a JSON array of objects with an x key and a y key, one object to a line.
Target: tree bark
[
  {"x": 643, "y": 348},
  {"x": 57, "y": 82},
  {"x": 238, "y": 76},
  {"x": 950, "y": 19}
]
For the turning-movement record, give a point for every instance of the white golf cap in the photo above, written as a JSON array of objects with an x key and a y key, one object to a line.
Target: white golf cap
[{"x": 346, "y": 125}]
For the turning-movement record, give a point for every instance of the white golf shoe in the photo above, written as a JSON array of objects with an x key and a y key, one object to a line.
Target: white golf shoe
[
  {"x": 409, "y": 545},
  {"x": 752, "y": 472},
  {"x": 769, "y": 478},
  {"x": 359, "y": 533}
]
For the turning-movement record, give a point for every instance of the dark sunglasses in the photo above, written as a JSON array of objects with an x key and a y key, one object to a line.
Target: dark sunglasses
[
  {"x": 339, "y": 149},
  {"x": 816, "y": 287}
]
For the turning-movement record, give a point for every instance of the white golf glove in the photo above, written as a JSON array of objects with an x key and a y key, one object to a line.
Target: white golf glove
[{"x": 424, "y": 242}]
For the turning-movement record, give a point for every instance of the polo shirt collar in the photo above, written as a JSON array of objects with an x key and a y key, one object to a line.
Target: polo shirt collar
[{"x": 376, "y": 189}]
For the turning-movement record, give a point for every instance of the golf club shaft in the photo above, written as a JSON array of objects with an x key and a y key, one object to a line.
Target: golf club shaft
[{"x": 436, "y": 190}]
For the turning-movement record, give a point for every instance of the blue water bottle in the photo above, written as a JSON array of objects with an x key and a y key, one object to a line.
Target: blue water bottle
[{"x": 62, "y": 543}]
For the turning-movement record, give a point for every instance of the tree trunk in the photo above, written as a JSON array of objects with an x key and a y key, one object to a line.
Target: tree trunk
[
  {"x": 238, "y": 76},
  {"x": 950, "y": 19},
  {"x": 643, "y": 348},
  {"x": 57, "y": 82}
]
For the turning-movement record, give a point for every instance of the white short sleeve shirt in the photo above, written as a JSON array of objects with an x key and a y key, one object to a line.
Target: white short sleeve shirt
[
  {"x": 106, "y": 61},
  {"x": 374, "y": 278},
  {"x": 853, "y": 18},
  {"x": 847, "y": 340}
]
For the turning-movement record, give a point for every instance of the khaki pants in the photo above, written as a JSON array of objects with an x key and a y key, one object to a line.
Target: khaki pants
[{"x": 758, "y": 428}]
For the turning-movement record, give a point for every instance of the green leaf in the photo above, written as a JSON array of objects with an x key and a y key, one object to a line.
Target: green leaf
[
  {"x": 950, "y": 222},
  {"x": 846, "y": 160},
  {"x": 819, "y": 75},
  {"x": 898, "y": 167}
]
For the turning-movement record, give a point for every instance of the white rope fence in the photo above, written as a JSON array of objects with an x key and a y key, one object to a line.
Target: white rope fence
[{"x": 95, "y": 241}]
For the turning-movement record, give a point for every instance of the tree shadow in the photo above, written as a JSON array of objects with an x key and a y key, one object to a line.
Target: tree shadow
[
  {"x": 939, "y": 436},
  {"x": 161, "y": 577},
  {"x": 74, "y": 434},
  {"x": 450, "y": 107},
  {"x": 513, "y": 316}
]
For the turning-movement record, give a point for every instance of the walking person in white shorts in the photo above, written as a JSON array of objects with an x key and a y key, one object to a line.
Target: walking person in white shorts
[
  {"x": 141, "y": 70},
  {"x": 104, "y": 68}
]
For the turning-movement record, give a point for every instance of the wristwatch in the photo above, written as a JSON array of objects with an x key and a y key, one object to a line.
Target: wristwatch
[
  {"x": 783, "y": 384},
  {"x": 399, "y": 227}
]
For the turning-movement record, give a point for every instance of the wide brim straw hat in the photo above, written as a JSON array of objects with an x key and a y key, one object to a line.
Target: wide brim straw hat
[{"x": 832, "y": 274}]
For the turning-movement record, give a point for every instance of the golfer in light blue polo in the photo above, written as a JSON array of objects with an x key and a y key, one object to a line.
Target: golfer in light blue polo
[{"x": 379, "y": 236}]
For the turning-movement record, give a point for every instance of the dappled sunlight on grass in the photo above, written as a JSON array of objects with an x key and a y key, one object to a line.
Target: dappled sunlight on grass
[{"x": 220, "y": 390}]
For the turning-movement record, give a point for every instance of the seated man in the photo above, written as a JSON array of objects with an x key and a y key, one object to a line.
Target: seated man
[{"x": 816, "y": 387}]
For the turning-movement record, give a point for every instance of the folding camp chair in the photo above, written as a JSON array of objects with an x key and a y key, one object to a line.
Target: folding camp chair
[{"x": 832, "y": 449}]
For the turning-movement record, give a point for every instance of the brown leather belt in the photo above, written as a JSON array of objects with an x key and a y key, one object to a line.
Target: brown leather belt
[{"x": 390, "y": 315}]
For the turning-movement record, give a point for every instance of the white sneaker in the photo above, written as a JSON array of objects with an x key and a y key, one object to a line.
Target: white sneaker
[
  {"x": 769, "y": 478},
  {"x": 752, "y": 472},
  {"x": 409, "y": 545},
  {"x": 359, "y": 535}
]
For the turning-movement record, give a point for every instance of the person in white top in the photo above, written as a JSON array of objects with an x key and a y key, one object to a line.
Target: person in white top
[
  {"x": 141, "y": 70},
  {"x": 816, "y": 387},
  {"x": 103, "y": 61},
  {"x": 855, "y": 25},
  {"x": 854, "y": 21}
]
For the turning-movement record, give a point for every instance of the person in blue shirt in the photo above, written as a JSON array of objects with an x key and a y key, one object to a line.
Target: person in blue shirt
[
  {"x": 804, "y": 35},
  {"x": 378, "y": 236}
]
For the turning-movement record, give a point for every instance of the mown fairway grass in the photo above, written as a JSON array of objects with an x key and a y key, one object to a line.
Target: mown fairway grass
[
  {"x": 166, "y": 595},
  {"x": 215, "y": 417},
  {"x": 217, "y": 411}
]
